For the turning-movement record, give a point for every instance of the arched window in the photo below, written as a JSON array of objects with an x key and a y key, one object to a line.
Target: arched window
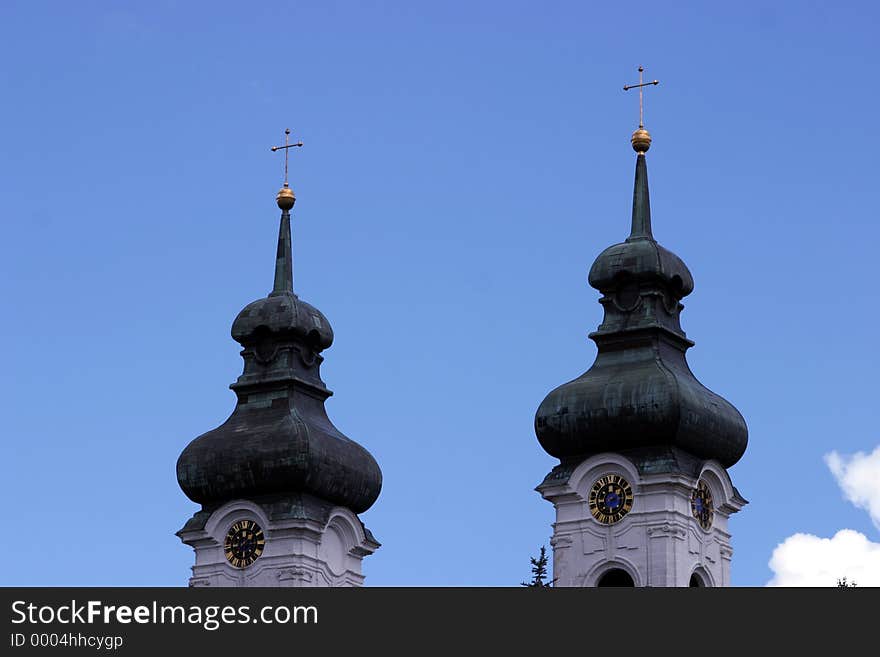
[
  {"x": 616, "y": 577},
  {"x": 697, "y": 581}
]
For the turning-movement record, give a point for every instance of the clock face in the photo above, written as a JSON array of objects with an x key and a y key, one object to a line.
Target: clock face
[
  {"x": 701, "y": 504},
  {"x": 611, "y": 498},
  {"x": 244, "y": 543}
]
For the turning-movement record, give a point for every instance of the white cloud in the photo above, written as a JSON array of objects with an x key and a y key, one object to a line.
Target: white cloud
[
  {"x": 807, "y": 560},
  {"x": 859, "y": 478}
]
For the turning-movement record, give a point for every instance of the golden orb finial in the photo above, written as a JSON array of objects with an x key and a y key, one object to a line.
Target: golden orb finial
[
  {"x": 641, "y": 141},
  {"x": 285, "y": 198}
]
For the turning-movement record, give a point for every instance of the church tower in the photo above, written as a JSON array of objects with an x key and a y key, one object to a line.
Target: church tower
[
  {"x": 280, "y": 486},
  {"x": 642, "y": 494}
]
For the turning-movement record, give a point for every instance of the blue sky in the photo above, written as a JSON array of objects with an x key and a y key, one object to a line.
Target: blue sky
[{"x": 464, "y": 163}]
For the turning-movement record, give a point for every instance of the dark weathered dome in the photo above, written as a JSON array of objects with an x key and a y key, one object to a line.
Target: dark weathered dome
[
  {"x": 280, "y": 313},
  {"x": 279, "y": 439},
  {"x": 640, "y": 391},
  {"x": 639, "y": 399},
  {"x": 640, "y": 258},
  {"x": 275, "y": 443}
]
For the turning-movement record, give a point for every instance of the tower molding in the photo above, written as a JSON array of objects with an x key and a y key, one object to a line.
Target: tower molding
[
  {"x": 325, "y": 548},
  {"x": 659, "y": 542}
]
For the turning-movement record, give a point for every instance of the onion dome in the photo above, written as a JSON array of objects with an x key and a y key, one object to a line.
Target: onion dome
[
  {"x": 640, "y": 391},
  {"x": 279, "y": 440}
]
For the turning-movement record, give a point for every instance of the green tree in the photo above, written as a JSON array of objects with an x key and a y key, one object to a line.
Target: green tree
[{"x": 539, "y": 570}]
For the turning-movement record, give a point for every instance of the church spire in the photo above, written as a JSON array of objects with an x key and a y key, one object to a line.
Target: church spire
[
  {"x": 641, "y": 214},
  {"x": 284, "y": 257},
  {"x": 643, "y": 446},
  {"x": 277, "y": 477},
  {"x": 279, "y": 439},
  {"x": 640, "y": 385},
  {"x": 285, "y": 200},
  {"x": 641, "y": 142}
]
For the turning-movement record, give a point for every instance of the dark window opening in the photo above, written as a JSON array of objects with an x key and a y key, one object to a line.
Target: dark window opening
[
  {"x": 696, "y": 581},
  {"x": 616, "y": 577}
]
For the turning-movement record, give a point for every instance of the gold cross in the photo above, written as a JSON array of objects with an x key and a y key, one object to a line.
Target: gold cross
[
  {"x": 286, "y": 148},
  {"x": 641, "y": 84}
]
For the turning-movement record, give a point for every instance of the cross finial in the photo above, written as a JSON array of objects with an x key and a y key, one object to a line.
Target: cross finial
[
  {"x": 286, "y": 148},
  {"x": 640, "y": 86}
]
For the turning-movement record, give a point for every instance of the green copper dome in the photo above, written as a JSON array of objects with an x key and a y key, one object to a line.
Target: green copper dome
[
  {"x": 278, "y": 440},
  {"x": 640, "y": 391}
]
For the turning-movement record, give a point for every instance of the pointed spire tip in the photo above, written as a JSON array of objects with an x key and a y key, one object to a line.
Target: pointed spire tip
[
  {"x": 283, "y": 258},
  {"x": 641, "y": 213}
]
